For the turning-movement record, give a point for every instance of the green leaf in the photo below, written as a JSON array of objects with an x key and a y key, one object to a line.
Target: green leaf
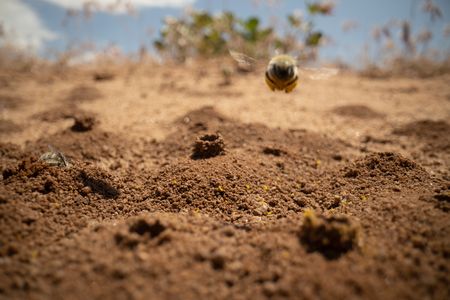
[
  {"x": 320, "y": 8},
  {"x": 202, "y": 19},
  {"x": 252, "y": 24},
  {"x": 314, "y": 38}
]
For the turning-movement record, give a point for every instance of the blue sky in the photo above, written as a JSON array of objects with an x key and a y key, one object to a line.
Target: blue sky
[{"x": 40, "y": 22}]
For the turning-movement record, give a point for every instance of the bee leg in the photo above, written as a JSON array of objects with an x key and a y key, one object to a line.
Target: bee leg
[{"x": 290, "y": 87}]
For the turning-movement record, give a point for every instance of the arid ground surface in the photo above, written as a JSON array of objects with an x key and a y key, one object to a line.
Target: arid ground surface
[{"x": 185, "y": 186}]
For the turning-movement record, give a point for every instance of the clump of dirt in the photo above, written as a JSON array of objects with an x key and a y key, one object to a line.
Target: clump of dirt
[
  {"x": 142, "y": 227},
  {"x": 84, "y": 122},
  {"x": 208, "y": 145},
  {"x": 332, "y": 236},
  {"x": 83, "y": 93},
  {"x": 357, "y": 111}
]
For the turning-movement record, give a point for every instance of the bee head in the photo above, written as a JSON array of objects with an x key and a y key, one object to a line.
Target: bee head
[{"x": 283, "y": 71}]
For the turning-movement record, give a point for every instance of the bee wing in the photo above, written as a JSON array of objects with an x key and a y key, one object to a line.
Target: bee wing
[
  {"x": 319, "y": 73},
  {"x": 242, "y": 59}
]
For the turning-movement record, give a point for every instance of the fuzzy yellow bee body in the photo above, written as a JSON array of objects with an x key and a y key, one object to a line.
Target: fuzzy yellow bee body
[{"x": 282, "y": 73}]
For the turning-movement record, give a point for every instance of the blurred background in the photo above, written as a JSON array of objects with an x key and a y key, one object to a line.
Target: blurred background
[{"x": 352, "y": 33}]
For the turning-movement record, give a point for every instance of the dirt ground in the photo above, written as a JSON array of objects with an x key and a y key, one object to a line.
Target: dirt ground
[{"x": 182, "y": 185}]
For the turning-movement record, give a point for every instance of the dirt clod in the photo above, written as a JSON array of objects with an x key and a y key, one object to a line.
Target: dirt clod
[
  {"x": 142, "y": 227},
  {"x": 83, "y": 123},
  {"x": 208, "y": 145},
  {"x": 331, "y": 236}
]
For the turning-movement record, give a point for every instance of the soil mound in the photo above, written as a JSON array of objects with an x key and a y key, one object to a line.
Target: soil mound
[
  {"x": 229, "y": 186},
  {"x": 386, "y": 167},
  {"x": 45, "y": 203},
  {"x": 87, "y": 145},
  {"x": 31, "y": 175},
  {"x": 248, "y": 137}
]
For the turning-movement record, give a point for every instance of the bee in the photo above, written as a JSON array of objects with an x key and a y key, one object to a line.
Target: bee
[
  {"x": 55, "y": 158},
  {"x": 283, "y": 71}
]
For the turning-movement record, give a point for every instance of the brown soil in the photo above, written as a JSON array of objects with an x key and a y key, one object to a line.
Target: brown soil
[
  {"x": 8, "y": 126},
  {"x": 83, "y": 93},
  {"x": 357, "y": 111},
  {"x": 179, "y": 187}
]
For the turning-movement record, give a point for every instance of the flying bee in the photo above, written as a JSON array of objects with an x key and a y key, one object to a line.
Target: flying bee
[{"x": 283, "y": 71}]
